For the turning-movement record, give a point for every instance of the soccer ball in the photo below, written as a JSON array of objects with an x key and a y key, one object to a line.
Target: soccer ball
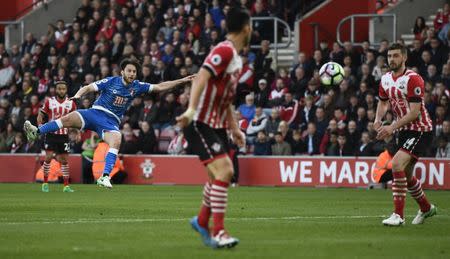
[{"x": 331, "y": 74}]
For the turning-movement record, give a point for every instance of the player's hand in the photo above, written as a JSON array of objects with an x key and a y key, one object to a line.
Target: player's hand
[
  {"x": 184, "y": 119},
  {"x": 384, "y": 131},
  {"x": 75, "y": 98},
  {"x": 238, "y": 137},
  {"x": 377, "y": 125},
  {"x": 189, "y": 78}
]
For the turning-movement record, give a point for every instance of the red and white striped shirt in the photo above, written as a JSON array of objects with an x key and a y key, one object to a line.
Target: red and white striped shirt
[
  {"x": 225, "y": 64},
  {"x": 56, "y": 109},
  {"x": 402, "y": 90}
]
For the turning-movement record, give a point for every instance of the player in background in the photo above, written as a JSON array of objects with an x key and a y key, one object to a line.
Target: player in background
[
  {"x": 206, "y": 121},
  {"x": 105, "y": 115},
  {"x": 57, "y": 142},
  {"x": 403, "y": 90}
]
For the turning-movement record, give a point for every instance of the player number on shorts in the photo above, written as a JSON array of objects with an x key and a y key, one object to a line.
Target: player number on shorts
[
  {"x": 409, "y": 143},
  {"x": 66, "y": 147},
  {"x": 119, "y": 100}
]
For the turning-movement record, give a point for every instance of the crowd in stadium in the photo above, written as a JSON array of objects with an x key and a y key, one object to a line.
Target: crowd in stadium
[{"x": 283, "y": 111}]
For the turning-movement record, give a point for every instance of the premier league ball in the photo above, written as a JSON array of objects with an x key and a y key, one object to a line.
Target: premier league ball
[{"x": 331, "y": 74}]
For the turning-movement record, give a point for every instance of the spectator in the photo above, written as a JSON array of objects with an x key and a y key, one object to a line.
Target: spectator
[
  {"x": 344, "y": 148},
  {"x": 320, "y": 121},
  {"x": 262, "y": 145},
  {"x": 129, "y": 143},
  {"x": 286, "y": 132},
  {"x": 415, "y": 55},
  {"x": 7, "y": 138},
  {"x": 298, "y": 147},
  {"x": 328, "y": 106},
  {"x": 312, "y": 139},
  {"x": 257, "y": 124},
  {"x": 353, "y": 136},
  {"x": 247, "y": 110},
  {"x": 420, "y": 28},
  {"x": 277, "y": 94},
  {"x": 6, "y": 72},
  {"x": 263, "y": 60},
  {"x": 262, "y": 94},
  {"x": 289, "y": 110},
  {"x": 166, "y": 112},
  {"x": 365, "y": 148},
  {"x": 146, "y": 139},
  {"x": 18, "y": 145},
  {"x": 441, "y": 18},
  {"x": 273, "y": 123},
  {"x": 443, "y": 150},
  {"x": 216, "y": 13},
  {"x": 308, "y": 112},
  {"x": 332, "y": 148},
  {"x": 443, "y": 34},
  {"x": 280, "y": 147},
  {"x": 298, "y": 83},
  {"x": 439, "y": 53}
]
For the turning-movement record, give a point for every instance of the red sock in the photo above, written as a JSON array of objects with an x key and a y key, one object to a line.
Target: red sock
[
  {"x": 65, "y": 172},
  {"x": 205, "y": 210},
  {"x": 415, "y": 189},
  {"x": 399, "y": 191},
  {"x": 219, "y": 194},
  {"x": 46, "y": 170}
]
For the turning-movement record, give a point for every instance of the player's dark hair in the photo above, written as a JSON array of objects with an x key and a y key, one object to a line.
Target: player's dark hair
[
  {"x": 237, "y": 19},
  {"x": 396, "y": 46},
  {"x": 129, "y": 61},
  {"x": 61, "y": 83}
]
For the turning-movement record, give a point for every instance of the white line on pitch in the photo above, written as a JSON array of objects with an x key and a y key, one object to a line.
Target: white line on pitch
[{"x": 125, "y": 220}]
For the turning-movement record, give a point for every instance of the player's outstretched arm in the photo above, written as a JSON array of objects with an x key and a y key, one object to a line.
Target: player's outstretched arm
[
  {"x": 84, "y": 90},
  {"x": 171, "y": 84},
  {"x": 199, "y": 83}
]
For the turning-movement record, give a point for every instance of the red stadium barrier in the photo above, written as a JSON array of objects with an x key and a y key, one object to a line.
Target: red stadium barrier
[
  {"x": 254, "y": 171},
  {"x": 19, "y": 168}
]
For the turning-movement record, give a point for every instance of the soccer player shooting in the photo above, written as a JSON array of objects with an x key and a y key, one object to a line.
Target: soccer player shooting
[{"x": 104, "y": 117}]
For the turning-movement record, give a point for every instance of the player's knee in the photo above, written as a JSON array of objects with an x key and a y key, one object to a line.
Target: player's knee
[
  {"x": 115, "y": 142},
  {"x": 397, "y": 166}
]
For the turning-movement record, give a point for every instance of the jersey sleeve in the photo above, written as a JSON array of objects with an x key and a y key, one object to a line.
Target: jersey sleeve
[
  {"x": 382, "y": 93},
  {"x": 415, "y": 89},
  {"x": 218, "y": 60},
  {"x": 74, "y": 107},
  {"x": 46, "y": 107},
  {"x": 101, "y": 85},
  {"x": 144, "y": 87}
]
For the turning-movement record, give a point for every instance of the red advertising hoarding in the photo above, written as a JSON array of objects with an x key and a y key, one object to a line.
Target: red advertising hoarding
[{"x": 254, "y": 171}]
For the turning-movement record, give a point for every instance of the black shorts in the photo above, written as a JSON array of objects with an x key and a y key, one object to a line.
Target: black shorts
[
  {"x": 415, "y": 143},
  {"x": 206, "y": 142},
  {"x": 57, "y": 143}
]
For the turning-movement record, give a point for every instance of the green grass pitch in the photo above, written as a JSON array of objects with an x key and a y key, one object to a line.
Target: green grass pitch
[{"x": 152, "y": 222}]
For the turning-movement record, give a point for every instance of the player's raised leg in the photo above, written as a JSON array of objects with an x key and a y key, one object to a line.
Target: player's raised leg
[
  {"x": 399, "y": 188},
  {"x": 415, "y": 190},
  {"x": 48, "y": 159},
  {"x": 71, "y": 120},
  {"x": 113, "y": 139}
]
